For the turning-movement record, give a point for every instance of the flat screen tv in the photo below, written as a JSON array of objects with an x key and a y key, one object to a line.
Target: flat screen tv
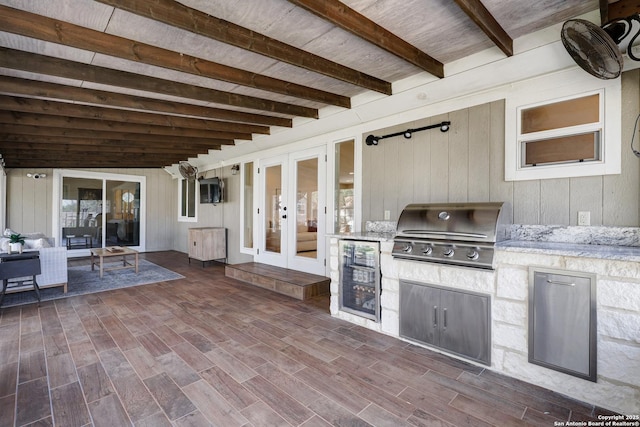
[{"x": 211, "y": 190}]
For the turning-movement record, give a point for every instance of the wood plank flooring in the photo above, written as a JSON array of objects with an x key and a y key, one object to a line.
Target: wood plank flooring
[{"x": 210, "y": 350}]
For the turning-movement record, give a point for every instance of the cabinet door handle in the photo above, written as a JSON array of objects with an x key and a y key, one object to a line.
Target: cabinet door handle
[
  {"x": 435, "y": 316},
  {"x": 444, "y": 312},
  {"x": 556, "y": 282}
]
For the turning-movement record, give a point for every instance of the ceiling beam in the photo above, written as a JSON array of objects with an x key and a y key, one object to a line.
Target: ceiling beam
[
  {"x": 72, "y": 149},
  {"x": 71, "y": 164},
  {"x": 40, "y": 27},
  {"x": 44, "y": 159},
  {"x": 350, "y": 20},
  {"x": 35, "y": 63},
  {"x": 43, "y": 120},
  {"x": 23, "y": 140},
  {"x": 19, "y": 86},
  {"x": 175, "y": 14},
  {"x": 15, "y": 130},
  {"x": 66, "y": 109},
  {"x": 487, "y": 23}
]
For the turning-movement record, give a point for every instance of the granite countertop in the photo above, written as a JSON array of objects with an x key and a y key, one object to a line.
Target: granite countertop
[
  {"x": 613, "y": 252},
  {"x": 615, "y": 243}
]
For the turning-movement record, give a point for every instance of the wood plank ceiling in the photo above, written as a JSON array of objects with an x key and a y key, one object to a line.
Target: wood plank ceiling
[{"x": 132, "y": 83}]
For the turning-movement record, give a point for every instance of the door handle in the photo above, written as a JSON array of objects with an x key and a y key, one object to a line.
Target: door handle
[
  {"x": 435, "y": 316},
  {"x": 556, "y": 282},
  {"x": 444, "y": 313},
  {"x": 284, "y": 217}
]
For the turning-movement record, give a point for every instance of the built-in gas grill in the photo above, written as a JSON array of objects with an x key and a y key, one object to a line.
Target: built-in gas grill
[{"x": 462, "y": 234}]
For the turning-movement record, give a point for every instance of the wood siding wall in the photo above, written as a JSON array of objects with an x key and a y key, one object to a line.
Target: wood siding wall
[
  {"x": 466, "y": 164},
  {"x": 29, "y": 203}
]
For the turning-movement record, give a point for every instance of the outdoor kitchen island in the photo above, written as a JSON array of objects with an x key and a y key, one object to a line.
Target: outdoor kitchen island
[{"x": 614, "y": 262}]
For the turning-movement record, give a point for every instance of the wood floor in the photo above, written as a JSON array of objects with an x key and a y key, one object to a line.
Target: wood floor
[{"x": 209, "y": 350}]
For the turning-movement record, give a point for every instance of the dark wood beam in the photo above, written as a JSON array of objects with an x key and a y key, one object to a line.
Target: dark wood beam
[
  {"x": 54, "y": 155},
  {"x": 35, "y": 63},
  {"x": 23, "y": 140},
  {"x": 487, "y": 23},
  {"x": 175, "y": 14},
  {"x": 6, "y": 148},
  {"x": 16, "y": 130},
  {"x": 31, "y": 25},
  {"x": 621, "y": 9},
  {"x": 18, "y": 86},
  {"x": 31, "y": 105},
  {"x": 43, "y": 120},
  {"x": 350, "y": 20},
  {"x": 63, "y": 160},
  {"x": 95, "y": 164}
]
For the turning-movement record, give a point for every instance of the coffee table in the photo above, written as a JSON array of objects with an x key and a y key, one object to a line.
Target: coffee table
[{"x": 109, "y": 252}]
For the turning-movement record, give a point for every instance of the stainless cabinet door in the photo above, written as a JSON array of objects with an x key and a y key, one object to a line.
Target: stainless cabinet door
[
  {"x": 465, "y": 325},
  {"x": 562, "y": 323},
  {"x": 419, "y": 306}
]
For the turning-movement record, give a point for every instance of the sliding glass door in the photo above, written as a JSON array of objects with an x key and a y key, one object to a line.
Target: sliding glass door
[{"x": 99, "y": 210}]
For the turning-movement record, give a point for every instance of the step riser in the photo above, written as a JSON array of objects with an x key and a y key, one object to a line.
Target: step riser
[{"x": 300, "y": 292}]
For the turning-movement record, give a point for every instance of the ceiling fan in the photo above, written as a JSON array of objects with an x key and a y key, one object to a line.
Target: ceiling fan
[
  {"x": 598, "y": 50},
  {"x": 187, "y": 170}
]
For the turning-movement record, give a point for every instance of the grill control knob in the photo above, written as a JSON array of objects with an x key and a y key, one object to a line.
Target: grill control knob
[
  {"x": 407, "y": 248},
  {"x": 427, "y": 250},
  {"x": 448, "y": 252},
  {"x": 473, "y": 254}
]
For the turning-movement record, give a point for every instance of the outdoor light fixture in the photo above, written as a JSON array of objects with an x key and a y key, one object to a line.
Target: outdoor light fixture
[
  {"x": 373, "y": 140},
  {"x": 36, "y": 175},
  {"x": 235, "y": 169}
]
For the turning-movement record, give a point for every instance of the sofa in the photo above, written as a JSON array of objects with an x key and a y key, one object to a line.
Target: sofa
[
  {"x": 53, "y": 259},
  {"x": 306, "y": 239}
]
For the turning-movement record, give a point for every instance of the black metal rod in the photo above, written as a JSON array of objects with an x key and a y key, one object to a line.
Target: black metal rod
[{"x": 373, "y": 140}]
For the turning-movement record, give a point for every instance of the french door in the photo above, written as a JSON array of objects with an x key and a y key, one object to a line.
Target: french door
[{"x": 292, "y": 213}]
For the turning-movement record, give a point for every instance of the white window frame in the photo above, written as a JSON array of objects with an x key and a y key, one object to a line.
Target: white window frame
[
  {"x": 555, "y": 88},
  {"x": 182, "y": 218}
]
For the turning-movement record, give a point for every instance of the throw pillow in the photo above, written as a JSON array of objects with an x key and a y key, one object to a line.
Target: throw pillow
[
  {"x": 4, "y": 244},
  {"x": 36, "y": 243}
]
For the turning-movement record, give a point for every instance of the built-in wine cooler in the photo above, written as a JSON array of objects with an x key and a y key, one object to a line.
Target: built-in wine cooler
[{"x": 360, "y": 278}]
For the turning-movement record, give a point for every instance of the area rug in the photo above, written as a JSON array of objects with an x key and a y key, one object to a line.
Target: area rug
[{"x": 84, "y": 281}]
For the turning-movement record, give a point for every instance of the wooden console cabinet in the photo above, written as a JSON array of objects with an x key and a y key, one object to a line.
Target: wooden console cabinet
[{"x": 207, "y": 243}]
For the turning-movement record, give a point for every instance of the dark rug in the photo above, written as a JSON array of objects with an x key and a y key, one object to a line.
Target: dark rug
[{"x": 84, "y": 281}]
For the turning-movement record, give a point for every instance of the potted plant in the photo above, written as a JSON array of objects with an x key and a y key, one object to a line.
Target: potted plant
[{"x": 16, "y": 241}]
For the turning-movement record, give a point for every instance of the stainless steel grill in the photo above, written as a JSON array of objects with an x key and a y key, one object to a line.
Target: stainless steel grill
[{"x": 461, "y": 234}]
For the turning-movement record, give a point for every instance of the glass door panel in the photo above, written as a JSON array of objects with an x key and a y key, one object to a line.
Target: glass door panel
[
  {"x": 273, "y": 205},
  {"x": 122, "y": 213},
  {"x": 306, "y": 208},
  {"x": 343, "y": 190},
  {"x": 81, "y": 213},
  {"x": 247, "y": 200},
  {"x": 272, "y": 212},
  {"x": 307, "y": 242}
]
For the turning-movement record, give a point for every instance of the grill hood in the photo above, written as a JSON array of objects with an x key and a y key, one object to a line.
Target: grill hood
[
  {"x": 462, "y": 234},
  {"x": 469, "y": 222}
]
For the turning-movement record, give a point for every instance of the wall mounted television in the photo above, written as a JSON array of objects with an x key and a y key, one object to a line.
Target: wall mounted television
[{"x": 211, "y": 190}]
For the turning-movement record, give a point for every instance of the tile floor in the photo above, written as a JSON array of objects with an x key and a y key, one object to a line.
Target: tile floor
[{"x": 208, "y": 350}]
